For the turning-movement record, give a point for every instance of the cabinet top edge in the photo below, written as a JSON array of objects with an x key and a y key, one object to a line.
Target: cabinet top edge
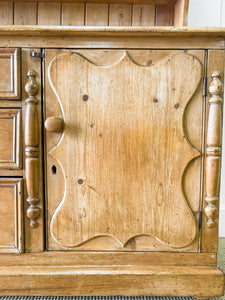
[{"x": 112, "y": 31}]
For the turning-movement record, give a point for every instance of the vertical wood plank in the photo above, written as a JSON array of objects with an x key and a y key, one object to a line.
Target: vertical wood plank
[
  {"x": 6, "y": 13},
  {"x": 120, "y": 15},
  {"x": 49, "y": 13},
  {"x": 25, "y": 13},
  {"x": 143, "y": 15},
  {"x": 34, "y": 237},
  {"x": 181, "y": 13},
  {"x": 97, "y": 14},
  {"x": 210, "y": 235},
  {"x": 164, "y": 15},
  {"x": 73, "y": 14}
]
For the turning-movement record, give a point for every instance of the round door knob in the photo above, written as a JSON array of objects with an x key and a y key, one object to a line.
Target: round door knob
[{"x": 54, "y": 124}]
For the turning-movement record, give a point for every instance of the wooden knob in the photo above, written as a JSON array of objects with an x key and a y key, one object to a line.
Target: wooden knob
[{"x": 54, "y": 124}]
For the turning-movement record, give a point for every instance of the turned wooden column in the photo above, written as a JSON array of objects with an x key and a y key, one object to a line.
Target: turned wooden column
[
  {"x": 213, "y": 151},
  {"x": 32, "y": 149}
]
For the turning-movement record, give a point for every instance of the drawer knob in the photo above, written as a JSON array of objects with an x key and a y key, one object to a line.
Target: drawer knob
[{"x": 54, "y": 124}]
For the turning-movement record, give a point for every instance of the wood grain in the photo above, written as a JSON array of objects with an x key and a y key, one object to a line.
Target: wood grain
[
  {"x": 10, "y": 139},
  {"x": 110, "y": 281},
  {"x": 210, "y": 235},
  {"x": 164, "y": 15},
  {"x": 120, "y": 15},
  {"x": 11, "y": 220},
  {"x": 96, "y": 14},
  {"x": 143, "y": 15},
  {"x": 213, "y": 151},
  {"x": 34, "y": 239},
  {"x": 181, "y": 13},
  {"x": 73, "y": 14},
  {"x": 10, "y": 74},
  {"x": 87, "y": 181},
  {"x": 49, "y": 13},
  {"x": 25, "y": 13},
  {"x": 6, "y": 13},
  {"x": 99, "y": 1},
  {"x": 90, "y": 258}
]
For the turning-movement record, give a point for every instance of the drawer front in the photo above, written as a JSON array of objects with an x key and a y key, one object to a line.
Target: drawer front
[
  {"x": 9, "y": 74},
  {"x": 11, "y": 233},
  {"x": 10, "y": 139}
]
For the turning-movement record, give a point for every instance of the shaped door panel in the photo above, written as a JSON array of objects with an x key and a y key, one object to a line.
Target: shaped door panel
[{"x": 123, "y": 167}]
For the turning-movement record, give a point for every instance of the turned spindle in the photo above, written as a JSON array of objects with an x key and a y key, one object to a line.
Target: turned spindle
[
  {"x": 32, "y": 149},
  {"x": 213, "y": 150}
]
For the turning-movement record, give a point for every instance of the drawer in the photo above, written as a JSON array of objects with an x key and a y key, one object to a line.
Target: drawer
[
  {"x": 10, "y": 139},
  {"x": 9, "y": 74},
  {"x": 11, "y": 219}
]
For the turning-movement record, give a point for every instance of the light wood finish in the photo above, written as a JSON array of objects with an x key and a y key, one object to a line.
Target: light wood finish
[
  {"x": 10, "y": 74},
  {"x": 8, "y": 173},
  {"x": 113, "y": 280},
  {"x": 53, "y": 124},
  {"x": 11, "y": 221},
  {"x": 99, "y": 1},
  {"x": 96, "y": 14},
  {"x": 112, "y": 31},
  {"x": 210, "y": 235},
  {"x": 164, "y": 15},
  {"x": 73, "y": 14},
  {"x": 120, "y": 15},
  {"x": 143, "y": 15},
  {"x": 34, "y": 238},
  {"x": 99, "y": 42},
  {"x": 10, "y": 139},
  {"x": 181, "y": 13},
  {"x": 6, "y": 13},
  {"x": 10, "y": 104},
  {"x": 213, "y": 151},
  {"x": 89, "y": 181},
  {"x": 25, "y": 13},
  {"x": 31, "y": 141},
  {"x": 49, "y": 13},
  {"x": 100, "y": 258}
]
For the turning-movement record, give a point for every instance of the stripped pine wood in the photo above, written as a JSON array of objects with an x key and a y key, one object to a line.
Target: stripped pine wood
[
  {"x": 11, "y": 221},
  {"x": 34, "y": 238},
  {"x": 91, "y": 258},
  {"x": 73, "y": 14},
  {"x": 97, "y": 14},
  {"x": 6, "y": 13},
  {"x": 120, "y": 15},
  {"x": 181, "y": 13},
  {"x": 25, "y": 13},
  {"x": 143, "y": 15},
  {"x": 210, "y": 235},
  {"x": 49, "y": 13},
  {"x": 164, "y": 15},
  {"x": 87, "y": 181}
]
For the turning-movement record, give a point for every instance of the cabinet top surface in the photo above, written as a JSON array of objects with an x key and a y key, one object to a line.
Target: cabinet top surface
[{"x": 113, "y": 31}]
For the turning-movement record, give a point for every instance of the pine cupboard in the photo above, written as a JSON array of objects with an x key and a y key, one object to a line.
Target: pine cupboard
[{"x": 110, "y": 154}]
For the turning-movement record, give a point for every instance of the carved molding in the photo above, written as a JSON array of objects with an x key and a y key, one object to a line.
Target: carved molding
[
  {"x": 82, "y": 188},
  {"x": 213, "y": 151},
  {"x": 32, "y": 149}
]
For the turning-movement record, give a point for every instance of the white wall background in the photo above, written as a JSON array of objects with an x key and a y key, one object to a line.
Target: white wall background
[{"x": 211, "y": 13}]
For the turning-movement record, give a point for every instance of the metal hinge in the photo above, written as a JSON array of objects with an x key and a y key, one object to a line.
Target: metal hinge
[
  {"x": 200, "y": 219},
  {"x": 204, "y": 86},
  {"x": 37, "y": 54}
]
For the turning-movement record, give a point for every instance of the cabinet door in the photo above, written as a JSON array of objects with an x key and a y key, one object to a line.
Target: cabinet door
[{"x": 123, "y": 149}]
